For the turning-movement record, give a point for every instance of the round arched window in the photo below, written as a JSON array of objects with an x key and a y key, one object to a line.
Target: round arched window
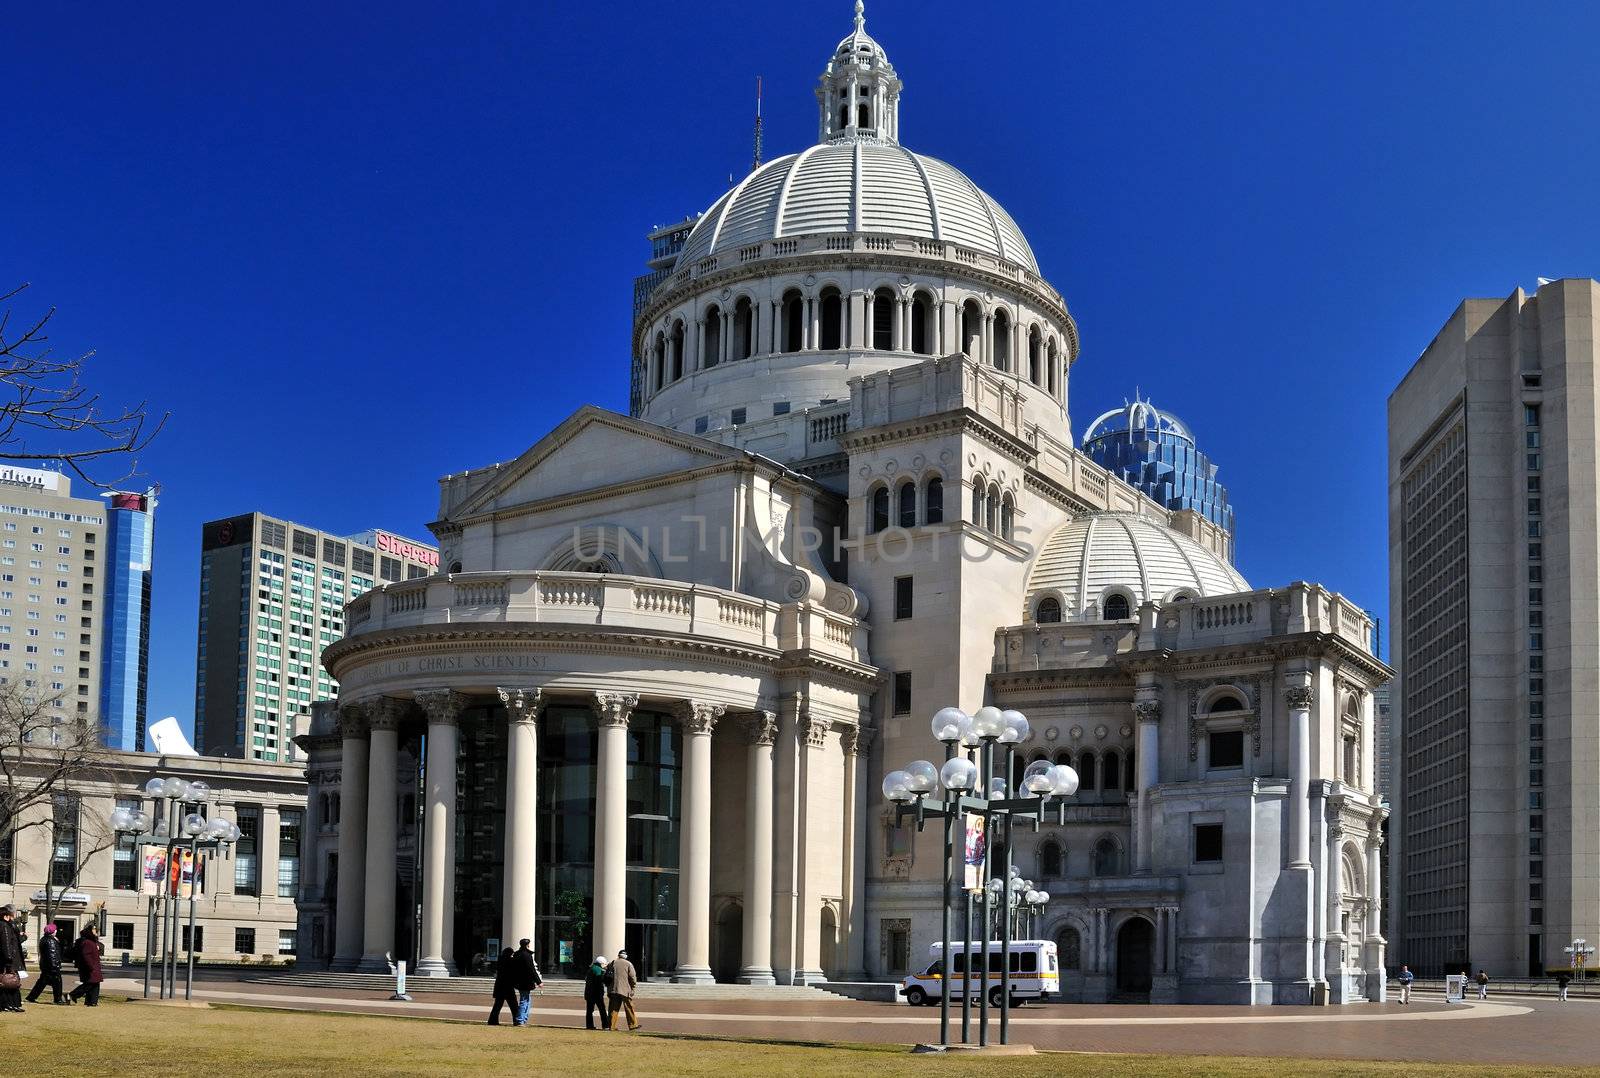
[
  {"x": 1048, "y": 610},
  {"x": 1116, "y": 608}
]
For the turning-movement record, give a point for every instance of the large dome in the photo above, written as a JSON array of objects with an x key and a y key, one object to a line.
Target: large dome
[
  {"x": 858, "y": 185},
  {"x": 1097, "y": 554}
]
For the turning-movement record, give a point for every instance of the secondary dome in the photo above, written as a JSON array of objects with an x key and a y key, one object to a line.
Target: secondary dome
[
  {"x": 1097, "y": 555},
  {"x": 858, "y": 185}
]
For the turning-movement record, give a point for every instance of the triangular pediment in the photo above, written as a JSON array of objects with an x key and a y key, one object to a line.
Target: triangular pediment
[{"x": 594, "y": 448}]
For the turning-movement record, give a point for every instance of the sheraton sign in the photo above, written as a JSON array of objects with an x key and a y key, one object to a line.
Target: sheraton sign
[{"x": 403, "y": 548}]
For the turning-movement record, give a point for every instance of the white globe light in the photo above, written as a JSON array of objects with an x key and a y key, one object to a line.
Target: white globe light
[
  {"x": 138, "y": 820},
  {"x": 120, "y": 819},
  {"x": 174, "y": 787},
  {"x": 997, "y": 789},
  {"x": 216, "y": 827},
  {"x": 948, "y": 723},
  {"x": 958, "y": 775},
  {"x": 1044, "y": 897},
  {"x": 970, "y": 738},
  {"x": 987, "y": 722},
  {"x": 923, "y": 776},
  {"x": 156, "y": 788},
  {"x": 193, "y": 824},
  {"x": 1016, "y": 727},
  {"x": 233, "y": 832},
  {"x": 995, "y": 885},
  {"x": 897, "y": 786},
  {"x": 198, "y": 790},
  {"x": 1037, "y": 785},
  {"x": 1063, "y": 781}
]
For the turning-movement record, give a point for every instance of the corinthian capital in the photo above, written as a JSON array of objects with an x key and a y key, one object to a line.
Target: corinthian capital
[
  {"x": 442, "y": 706},
  {"x": 522, "y": 705},
  {"x": 352, "y": 720},
  {"x": 385, "y": 713},
  {"x": 761, "y": 727},
  {"x": 615, "y": 708},
  {"x": 856, "y": 740},
  {"x": 696, "y": 716},
  {"x": 1298, "y": 697},
  {"x": 1147, "y": 710},
  {"x": 815, "y": 727}
]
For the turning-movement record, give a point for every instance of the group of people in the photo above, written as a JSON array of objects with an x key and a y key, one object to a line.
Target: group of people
[
  {"x": 606, "y": 983},
  {"x": 87, "y": 952}
]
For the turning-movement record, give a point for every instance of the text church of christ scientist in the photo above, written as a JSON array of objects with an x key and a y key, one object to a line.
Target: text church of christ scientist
[{"x": 650, "y": 701}]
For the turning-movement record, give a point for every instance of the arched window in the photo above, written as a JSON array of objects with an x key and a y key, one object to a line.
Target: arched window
[
  {"x": 1069, "y": 948},
  {"x": 1008, "y": 515},
  {"x": 1048, "y": 611},
  {"x": 1116, "y": 607},
  {"x": 661, "y": 360},
  {"x": 455, "y": 567},
  {"x": 908, "y": 504},
  {"x": 794, "y": 319},
  {"x": 677, "y": 349},
  {"x": 832, "y": 319},
  {"x": 1050, "y": 860},
  {"x": 863, "y": 115},
  {"x": 934, "y": 499},
  {"x": 1002, "y": 340},
  {"x": 844, "y": 117},
  {"x": 1064, "y": 757},
  {"x": 922, "y": 328},
  {"x": 977, "y": 504},
  {"x": 1087, "y": 772},
  {"x": 711, "y": 343},
  {"x": 744, "y": 329},
  {"x": 1111, "y": 771},
  {"x": 1225, "y": 703},
  {"x": 1034, "y": 375},
  {"x": 883, "y": 320},
  {"x": 1107, "y": 858},
  {"x": 991, "y": 509},
  {"x": 1051, "y": 366},
  {"x": 880, "y": 509},
  {"x": 971, "y": 327}
]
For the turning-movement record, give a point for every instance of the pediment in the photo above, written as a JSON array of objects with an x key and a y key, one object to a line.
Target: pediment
[{"x": 594, "y": 448}]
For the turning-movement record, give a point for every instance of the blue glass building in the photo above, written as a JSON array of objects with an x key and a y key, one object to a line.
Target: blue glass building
[
  {"x": 1155, "y": 451},
  {"x": 125, "y": 637}
]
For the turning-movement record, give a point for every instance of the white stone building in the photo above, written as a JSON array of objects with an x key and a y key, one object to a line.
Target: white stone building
[{"x": 651, "y": 698}]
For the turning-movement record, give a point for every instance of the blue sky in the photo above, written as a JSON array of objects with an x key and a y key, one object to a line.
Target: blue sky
[{"x": 354, "y": 248}]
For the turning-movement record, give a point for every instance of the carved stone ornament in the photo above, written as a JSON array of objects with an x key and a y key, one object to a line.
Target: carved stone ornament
[
  {"x": 1077, "y": 733},
  {"x": 761, "y": 727},
  {"x": 615, "y": 708},
  {"x": 385, "y": 713},
  {"x": 522, "y": 705},
  {"x": 816, "y": 729},
  {"x": 1298, "y": 697},
  {"x": 1147, "y": 710},
  {"x": 1101, "y": 731},
  {"x": 856, "y": 740},
  {"x": 442, "y": 706},
  {"x": 352, "y": 720},
  {"x": 696, "y": 717}
]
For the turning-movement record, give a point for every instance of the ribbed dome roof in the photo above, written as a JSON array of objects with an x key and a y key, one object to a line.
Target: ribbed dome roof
[
  {"x": 858, "y": 185},
  {"x": 1097, "y": 551}
]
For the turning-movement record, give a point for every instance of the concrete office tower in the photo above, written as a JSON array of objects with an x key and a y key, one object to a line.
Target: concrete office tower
[
  {"x": 272, "y": 596},
  {"x": 1494, "y": 557},
  {"x": 125, "y": 654}
]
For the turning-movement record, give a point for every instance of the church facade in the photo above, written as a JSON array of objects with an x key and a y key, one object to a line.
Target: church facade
[{"x": 650, "y": 699}]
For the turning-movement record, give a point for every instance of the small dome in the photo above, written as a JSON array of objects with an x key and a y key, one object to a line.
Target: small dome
[
  {"x": 1096, "y": 555},
  {"x": 858, "y": 185}
]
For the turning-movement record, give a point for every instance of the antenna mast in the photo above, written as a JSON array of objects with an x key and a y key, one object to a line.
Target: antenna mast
[{"x": 755, "y": 162}]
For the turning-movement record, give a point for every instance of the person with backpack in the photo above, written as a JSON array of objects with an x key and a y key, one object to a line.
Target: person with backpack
[
  {"x": 49, "y": 967},
  {"x": 1483, "y": 984},
  {"x": 86, "y": 957},
  {"x": 1406, "y": 977}
]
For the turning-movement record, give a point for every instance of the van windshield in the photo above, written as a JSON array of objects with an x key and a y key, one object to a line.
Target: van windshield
[{"x": 935, "y": 970}]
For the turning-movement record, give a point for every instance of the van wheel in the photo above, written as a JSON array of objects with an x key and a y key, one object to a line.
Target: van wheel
[
  {"x": 916, "y": 996},
  {"x": 997, "y": 997}
]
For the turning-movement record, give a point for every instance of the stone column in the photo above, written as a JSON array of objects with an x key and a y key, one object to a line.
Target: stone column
[
  {"x": 612, "y": 711},
  {"x": 520, "y": 855},
  {"x": 762, "y": 729},
  {"x": 267, "y": 859},
  {"x": 697, "y": 348},
  {"x": 813, "y": 729},
  {"x": 813, "y": 330},
  {"x": 858, "y": 319},
  {"x": 378, "y": 933},
  {"x": 694, "y": 856},
  {"x": 986, "y": 340},
  {"x": 1374, "y": 887},
  {"x": 725, "y": 338},
  {"x": 1298, "y": 696},
  {"x": 1147, "y": 711},
  {"x": 1336, "y": 938},
  {"x": 856, "y": 742},
  {"x": 443, "y": 709},
  {"x": 1171, "y": 957}
]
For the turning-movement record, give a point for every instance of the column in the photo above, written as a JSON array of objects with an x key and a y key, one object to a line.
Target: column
[
  {"x": 697, "y": 720},
  {"x": 814, "y": 730},
  {"x": 696, "y": 353},
  {"x": 1172, "y": 939},
  {"x": 443, "y": 709},
  {"x": 1336, "y": 937},
  {"x": 1374, "y": 886},
  {"x": 762, "y": 729},
  {"x": 378, "y": 934},
  {"x": 520, "y": 853},
  {"x": 612, "y": 711},
  {"x": 1161, "y": 939},
  {"x": 725, "y": 339},
  {"x": 897, "y": 339},
  {"x": 856, "y": 742},
  {"x": 858, "y": 319},
  {"x": 1298, "y": 697},
  {"x": 1147, "y": 712},
  {"x": 775, "y": 329},
  {"x": 756, "y": 325},
  {"x": 267, "y": 859},
  {"x": 986, "y": 345},
  {"x": 813, "y": 332}
]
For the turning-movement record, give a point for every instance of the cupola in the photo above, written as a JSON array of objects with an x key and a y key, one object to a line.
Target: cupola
[{"x": 858, "y": 95}]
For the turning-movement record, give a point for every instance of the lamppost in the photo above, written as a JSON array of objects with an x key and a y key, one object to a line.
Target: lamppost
[
  {"x": 1017, "y": 900},
  {"x": 1579, "y": 951},
  {"x": 966, "y": 786},
  {"x": 178, "y": 822}
]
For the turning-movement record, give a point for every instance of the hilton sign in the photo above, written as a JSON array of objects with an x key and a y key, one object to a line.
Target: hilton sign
[{"x": 401, "y": 548}]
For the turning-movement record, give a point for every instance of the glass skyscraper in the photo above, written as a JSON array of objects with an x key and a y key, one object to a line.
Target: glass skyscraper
[
  {"x": 1155, "y": 451},
  {"x": 125, "y": 636}
]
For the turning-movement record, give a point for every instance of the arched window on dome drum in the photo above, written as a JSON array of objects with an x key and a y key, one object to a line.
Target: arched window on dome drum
[
  {"x": 1051, "y": 366},
  {"x": 794, "y": 317},
  {"x": 1002, "y": 340},
  {"x": 977, "y": 505},
  {"x": 844, "y": 117},
  {"x": 1107, "y": 858},
  {"x": 1048, "y": 612},
  {"x": 661, "y": 360},
  {"x": 1087, "y": 772},
  {"x": 744, "y": 329},
  {"x": 992, "y": 509},
  {"x": 832, "y": 320},
  {"x": 908, "y": 504},
  {"x": 863, "y": 115},
  {"x": 711, "y": 337},
  {"x": 677, "y": 349},
  {"x": 922, "y": 326},
  {"x": 971, "y": 327},
  {"x": 1116, "y": 608},
  {"x": 1034, "y": 350},
  {"x": 933, "y": 498},
  {"x": 880, "y": 510},
  {"x": 1111, "y": 771},
  {"x": 1008, "y": 517},
  {"x": 883, "y": 320}
]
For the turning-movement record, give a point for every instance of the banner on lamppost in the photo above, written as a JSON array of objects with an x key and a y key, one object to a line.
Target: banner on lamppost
[
  {"x": 152, "y": 869},
  {"x": 977, "y": 845}
]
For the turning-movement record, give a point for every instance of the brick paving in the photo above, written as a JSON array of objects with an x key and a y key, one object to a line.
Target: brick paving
[{"x": 1511, "y": 1030}]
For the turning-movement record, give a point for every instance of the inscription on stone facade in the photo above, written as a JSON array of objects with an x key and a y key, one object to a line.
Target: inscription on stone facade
[{"x": 442, "y": 664}]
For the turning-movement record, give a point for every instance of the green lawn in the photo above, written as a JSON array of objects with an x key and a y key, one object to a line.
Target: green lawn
[{"x": 132, "y": 1039}]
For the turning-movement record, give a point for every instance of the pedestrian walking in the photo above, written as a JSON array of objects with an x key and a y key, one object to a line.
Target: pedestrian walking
[
  {"x": 1563, "y": 978},
  {"x": 12, "y": 961},
  {"x": 1483, "y": 984},
  {"x": 86, "y": 957},
  {"x": 49, "y": 967},
  {"x": 525, "y": 978},
  {"x": 620, "y": 983},
  {"x": 594, "y": 993},
  {"x": 1406, "y": 977},
  {"x": 505, "y": 991}
]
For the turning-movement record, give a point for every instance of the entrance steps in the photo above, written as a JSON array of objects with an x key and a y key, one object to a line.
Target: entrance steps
[{"x": 483, "y": 987}]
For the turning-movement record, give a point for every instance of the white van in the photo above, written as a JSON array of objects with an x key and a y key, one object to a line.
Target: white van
[{"x": 1034, "y": 973}]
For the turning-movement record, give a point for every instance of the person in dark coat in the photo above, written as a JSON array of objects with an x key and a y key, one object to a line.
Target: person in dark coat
[
  {"x": 525, "y": 974},
  {"x": 12, "y": 959},
  {"x": 86, "y": 956},
  {"x": 49, "y": 967},
  {"x": 505, "y": 992},
  {"x": 594, "y": 993}
]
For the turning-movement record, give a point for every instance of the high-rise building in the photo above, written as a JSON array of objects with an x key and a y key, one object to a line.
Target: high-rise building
[
  {"x": 1154, "y": 451},
  {"x": 125, "y": 652},
  {"x": 1494, "y": 558},
  {"x": 51, "y": 549},
  {"x": 272, "y": 596}
]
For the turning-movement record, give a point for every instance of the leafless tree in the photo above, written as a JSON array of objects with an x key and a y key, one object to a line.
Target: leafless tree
[
  {"x": 48, "y": 415},
  {"x": 47, "y": 758}
]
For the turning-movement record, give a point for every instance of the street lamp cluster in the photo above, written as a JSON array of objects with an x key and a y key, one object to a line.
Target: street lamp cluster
[
  {"x": 177, "y": 823},
  {"x": 965, "y": 787},
  {"x": 1017, "y": 899}
]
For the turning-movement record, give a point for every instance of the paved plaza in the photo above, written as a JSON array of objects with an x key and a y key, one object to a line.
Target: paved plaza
[{"x": 1525, "y": 1030}]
